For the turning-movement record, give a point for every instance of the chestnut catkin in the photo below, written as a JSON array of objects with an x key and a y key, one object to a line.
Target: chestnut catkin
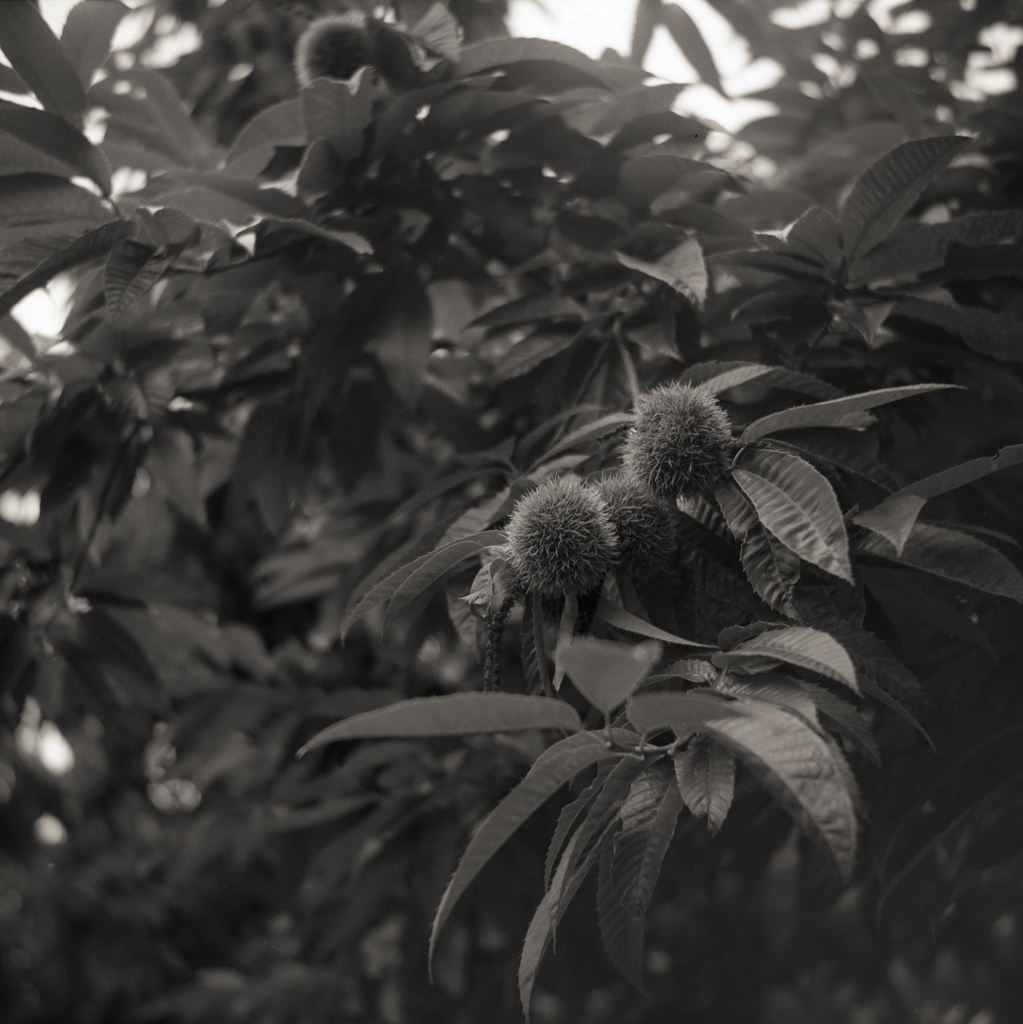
[
  {"x": 334, "y": 46},
  {"x": 647, "y": 526},
  {"x": 680, "y": 443},
  {"x": 561, "y": 538}
]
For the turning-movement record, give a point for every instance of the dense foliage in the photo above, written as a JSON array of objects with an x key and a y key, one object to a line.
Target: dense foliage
[{"x": 596, "y": 502}]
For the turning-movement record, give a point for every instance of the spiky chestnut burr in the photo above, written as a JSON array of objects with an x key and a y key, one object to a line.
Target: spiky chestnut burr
[
  {"x": 680, "y": 443},
  {"x": 647, "y": 526},
  {"x": 561, "y": 538},
  {"x": 334, "y": 46}
]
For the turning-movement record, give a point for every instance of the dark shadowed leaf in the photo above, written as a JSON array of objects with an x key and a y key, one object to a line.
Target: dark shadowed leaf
[
  {"x": 54, "y": 137},
  {"x": 133, "y": 268},
  {"x": 986, "y": 332},
  {"x": 551, "y": 770},
  {"x": 455, "y": 714},
  {"x": 771, "y": 568},
  {"x": 36, "y": 55},
  {"x": 953, "y": 556},
  {"x": 402, "y": 340},
  {"x": 60, "y": 254},
  {"x": 838, "y": 412},
  {"x": 683, "y": 268},
  {"x": 889, "y": 187},
  {"x": 333, "y": 111}
]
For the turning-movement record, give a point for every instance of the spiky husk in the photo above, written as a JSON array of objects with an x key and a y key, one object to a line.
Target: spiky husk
[
  {"x": 561, "y": 538},
  {"x": 680, "y": 443},
  {"x": 335, "y": 46},
  {"x": 647, "y": 526}
]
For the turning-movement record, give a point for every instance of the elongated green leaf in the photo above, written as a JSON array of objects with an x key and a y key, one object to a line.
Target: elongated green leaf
[
  {"x": 279, "y": 125},
  {"x": 797, "y": 505},
  {"x": 835, "y": 448},
  {"x": 545, "y": 306},
  {"x": 895, "y": 517},
  {"x": 889, "y": 187},
  {"x": 501, "y": 52},
  {"x": 630, "y": 864},
  {"x": 682, "y": 712},
  {"x": 564, "y": 886},
  {"x": 53, "y": 136},
  {"x": 926, "y": 247},
  {"x": 605, "y": 672},
  {"x": 797, "y": 766},
  {"x": 36, "y": 203},
  {"x": 984, "y": 331},
  {"x": 37, "y": 56},
  {"x": 617, "y": 616},
  {"x": 815, "y": 236},
  {"x": 551, "y": 770},
  {"x": 133, "y": 268},
  {"x": 87, "y": 35},
  {"x": 952, "y": 556},
  {"x": 838, "y": 412},
  {"x": 387, "y": 584},
  {"x": 845, "y": 718},
  {"x": 718, "y": 377},
  {"x": 64, "y": 254},
  {"x": 333, "y": 111},
  {"x": 705, "y": 778},
  {"x": 454, "y": 714},
  {"x": 807, "y": 648},
  {"x": 690, "y": 41},
  {"x": 434, "y": 566},
  {"x": 683, "y": 268},
  {"x": 596, "y": 429},
  {"x": 568, "y": 817},
  {"x": 620, "y": 933},
  {"x": 771, "y": 568}
]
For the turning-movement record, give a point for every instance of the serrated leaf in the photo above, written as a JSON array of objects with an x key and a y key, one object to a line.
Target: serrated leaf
[
  {"x": 952, "y": 556},
  {"x": 64, "y": 254},
  {"x": 797, "y": 506},
  {"x": 32, "y": 202},
  {"x": 838, "y": 412},
  {"x": 890, "y": 186},
  {"x": 845, "y": 718},
  {"x": 56, "y": 138},
  {"x": 591, "y": 431},
  {"x": 87, "y": 35},
  {"x": 771, "y": 568},
  {"x": 569, "y": 815},
  {"x": 895, "y": 517},
  {"x": 434, "y": 566},
  {"x": 815, "y": 236},
  {"x": 718, "y": 377},
  {"x": 439, "y": 32},
  {"x": 620, "y": 933},
  {"x": 133, "y": 268},
  {"x": 551, "y": 770},
  {"x": 926, "y": 247},
  {"x": 682, "y": 268},
  {"x": 605, "y": 672},
  {"x": 453, "y": 714},
  {"x": 802, "y": 646},
  {"x": 705, "y": 780},
  {"x": 791, "y": 761},
  {"x": 621, "y": 619},
  {"x": 387, "y": 585},
  {"x": 36, "y": 55}
]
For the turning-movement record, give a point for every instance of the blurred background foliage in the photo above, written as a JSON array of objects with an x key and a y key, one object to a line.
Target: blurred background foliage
[{"x": 194, "y": 488}]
